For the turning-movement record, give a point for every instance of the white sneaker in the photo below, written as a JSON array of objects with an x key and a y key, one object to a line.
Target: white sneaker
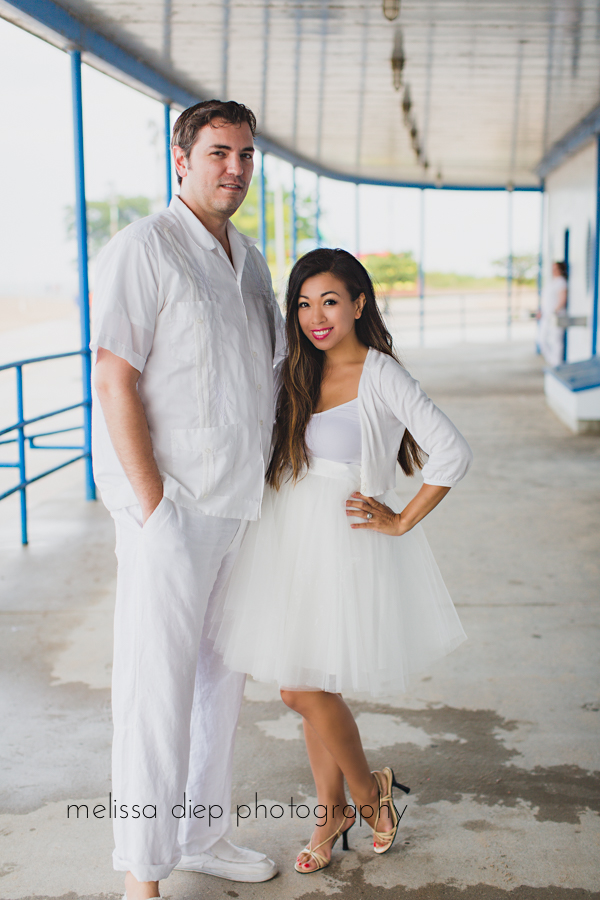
[{"x": 225, "y": 860}]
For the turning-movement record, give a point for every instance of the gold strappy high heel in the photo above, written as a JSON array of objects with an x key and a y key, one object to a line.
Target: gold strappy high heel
[
  {"x": 320, "y": 860},
  {"x": 386, "y": 781}
]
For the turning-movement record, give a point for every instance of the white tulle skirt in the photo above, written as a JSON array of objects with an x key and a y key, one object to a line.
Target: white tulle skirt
[{"x": 315, "y": 604}]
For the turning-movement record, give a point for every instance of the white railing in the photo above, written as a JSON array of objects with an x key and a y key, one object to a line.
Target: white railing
[{"x": 440, "y": 319}]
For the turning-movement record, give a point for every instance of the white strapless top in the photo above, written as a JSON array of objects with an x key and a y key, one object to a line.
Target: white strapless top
[{"x": 335, "y": 434}]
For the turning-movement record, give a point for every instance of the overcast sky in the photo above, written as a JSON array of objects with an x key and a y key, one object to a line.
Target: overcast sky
[{"x": 465, "y": 231}]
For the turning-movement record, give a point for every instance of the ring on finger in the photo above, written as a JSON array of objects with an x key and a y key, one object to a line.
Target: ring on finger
[{"x": 369, "y": 515}]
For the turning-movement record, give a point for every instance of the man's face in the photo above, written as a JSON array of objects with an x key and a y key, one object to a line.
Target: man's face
[{"x": 217, "y": 174}]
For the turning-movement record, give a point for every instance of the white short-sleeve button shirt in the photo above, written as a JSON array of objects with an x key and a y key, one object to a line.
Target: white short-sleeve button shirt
[{"x": 204, "y": 334}]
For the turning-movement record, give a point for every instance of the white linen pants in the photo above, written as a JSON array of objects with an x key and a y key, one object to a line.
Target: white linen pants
[{"x": 175, "y": 704}]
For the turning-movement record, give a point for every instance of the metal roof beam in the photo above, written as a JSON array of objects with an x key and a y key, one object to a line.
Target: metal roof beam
[{"x": 572, "y": 141}]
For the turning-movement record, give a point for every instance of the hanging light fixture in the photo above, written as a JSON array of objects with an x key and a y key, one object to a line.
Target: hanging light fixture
[
  {"x": 406, "y": 104},
  {"x": 391, "y": 9},
  {"x": 398, "y": 59},
  {"x": 411, "y": 126}
]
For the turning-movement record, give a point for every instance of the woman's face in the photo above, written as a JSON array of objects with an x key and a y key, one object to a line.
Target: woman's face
[{"x": 326, "y": 312}]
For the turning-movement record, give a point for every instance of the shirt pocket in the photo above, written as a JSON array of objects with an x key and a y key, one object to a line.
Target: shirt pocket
[
  {"x": 203, "y": 459},
  {"x": 196, "y": 339},
  {"x": 263, "y": 311}
]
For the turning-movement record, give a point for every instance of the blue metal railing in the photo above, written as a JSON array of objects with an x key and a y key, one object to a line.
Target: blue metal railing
[{"x": 22, "y": 439}]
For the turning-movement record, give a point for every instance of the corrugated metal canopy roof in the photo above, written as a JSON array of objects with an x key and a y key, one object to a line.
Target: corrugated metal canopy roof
[{"x": 491, "y": 85}]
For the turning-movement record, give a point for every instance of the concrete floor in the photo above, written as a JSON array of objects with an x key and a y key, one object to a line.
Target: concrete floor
[{"x": 499, "y": 742}]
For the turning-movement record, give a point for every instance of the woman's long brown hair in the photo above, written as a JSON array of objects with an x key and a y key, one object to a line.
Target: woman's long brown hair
[{"x": 302, "y": 369}]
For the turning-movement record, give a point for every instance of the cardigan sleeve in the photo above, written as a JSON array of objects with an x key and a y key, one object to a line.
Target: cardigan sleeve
[{"x": 449, "y": 454}]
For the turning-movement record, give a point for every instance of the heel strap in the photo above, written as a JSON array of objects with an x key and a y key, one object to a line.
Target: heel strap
[
  {"x": 385, "y": 837},
  {"x": 332, "y": 837},
  {"x": 320, "y": 860}
]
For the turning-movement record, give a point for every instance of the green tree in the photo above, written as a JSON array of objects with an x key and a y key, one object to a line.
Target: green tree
[
  {"x": 247, "y": 218},
  {"x": 106, "y": 217},
  {"x": 524, "y": 268},
  {"x": 390, "y": 269}
]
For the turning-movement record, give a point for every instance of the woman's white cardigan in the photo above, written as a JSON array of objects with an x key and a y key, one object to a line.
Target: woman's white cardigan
[{"x": 391, "y": 401}]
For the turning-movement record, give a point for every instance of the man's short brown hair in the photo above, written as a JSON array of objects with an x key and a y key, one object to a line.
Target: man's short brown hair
[{"x": 191, "y": 120}]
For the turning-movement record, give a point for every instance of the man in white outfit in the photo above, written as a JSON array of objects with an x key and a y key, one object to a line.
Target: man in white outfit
[{"x": 186, "y": 331}]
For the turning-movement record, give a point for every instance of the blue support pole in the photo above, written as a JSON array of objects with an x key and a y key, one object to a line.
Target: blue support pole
[
  {"x": 357, "y": 221},
  {"x": 21, "y": 445},
  {"x": 422, "y": 273},
  {"x": 262, "y": 209},
  {"x": 318, "y": 213},
  {"x": 566, "y": 260},
  {"x": 168, "y": 184},
  {"x": 509, "y": 267},
  {"x": 540, "y": 271},
  {"x": 596, "y": 256},
  {"x": 541, "y": 248},
  {"x": 294, "y": 218},
  {"x": 82, "y": 253}
]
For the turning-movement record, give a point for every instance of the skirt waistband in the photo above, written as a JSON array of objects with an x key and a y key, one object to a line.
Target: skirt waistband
[{"x": 331, "y": 469}]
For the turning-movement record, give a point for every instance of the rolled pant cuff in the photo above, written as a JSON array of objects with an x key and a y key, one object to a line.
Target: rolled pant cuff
[{"x": 144, "y": 871}]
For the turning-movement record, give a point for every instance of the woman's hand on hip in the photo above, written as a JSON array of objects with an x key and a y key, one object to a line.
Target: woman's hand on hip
[{"x": 377, "y": 516}]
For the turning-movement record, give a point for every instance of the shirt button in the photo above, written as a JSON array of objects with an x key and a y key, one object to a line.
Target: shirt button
[
  {"x": 258, "y": 387},
  {"x": 260, "y": 422},
  {"x": 200, "y": 321},
  {"x": 254, "y": 354}
]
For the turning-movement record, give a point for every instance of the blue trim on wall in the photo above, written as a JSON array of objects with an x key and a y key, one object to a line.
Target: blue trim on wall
[
  {"x": 167, "y": 137},
  {"x": 262, "y": 206},
  {"x": 596, "y": 255},
  {"x": 92, "y": 42},
  {"x": 566, "y": 258}
]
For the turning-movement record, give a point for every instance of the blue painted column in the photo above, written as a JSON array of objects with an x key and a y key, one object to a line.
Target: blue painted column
[
  {"x": 540, "y": 270},
  {"x": 318, "y": 213},
  {"x": 566, "y": 256},
  {"x": 357, "y": 221},
  {"x": 509, "y": 267},
  {"x": 168, "y": 184},
  {"x": 294, "y": 218},
  {"x": 262, "y": 207},
  {"x": 82, "y": 254},
  {"x": 21, "y": 446},
  {"x": 422, "y": 273},
  {"x": 541, "y": 246},
  {"x": 596, "y": 256}
]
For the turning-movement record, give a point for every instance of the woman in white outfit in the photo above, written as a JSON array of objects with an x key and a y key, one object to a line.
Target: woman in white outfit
[
  {"x": 336, "y": 588},
  {"x": 554, "y": 301}
]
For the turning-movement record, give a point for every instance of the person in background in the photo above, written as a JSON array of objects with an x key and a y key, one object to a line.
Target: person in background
[{"x": 554, "y": 301}]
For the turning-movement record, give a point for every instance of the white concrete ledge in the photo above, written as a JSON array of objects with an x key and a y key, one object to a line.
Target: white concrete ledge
[{"x": 573, "y": 393}]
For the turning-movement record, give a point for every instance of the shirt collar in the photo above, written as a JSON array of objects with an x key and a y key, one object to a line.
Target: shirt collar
[
  {"x": 202, "y": 235},
  {"x": 240, "y": 244}
]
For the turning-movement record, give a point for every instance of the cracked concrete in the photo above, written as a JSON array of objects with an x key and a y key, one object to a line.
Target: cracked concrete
[{"x": 499, "y": 742}]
